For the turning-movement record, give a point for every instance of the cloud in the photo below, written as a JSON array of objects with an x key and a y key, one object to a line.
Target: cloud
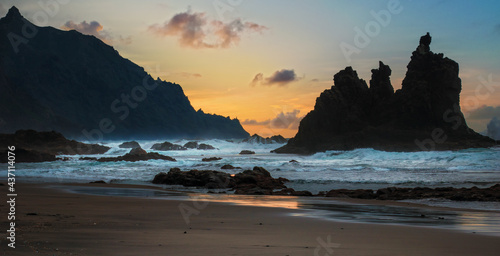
[
  {"x": 257, "y": 79},
  {"x": 279, "y": 78},
  {"x": 188, "y": 75},
  {"x": 288, "y": 120},
  {"x": 194, "y": 30},
  {"x": 493, "y": 129},
  {"x": 93, "y": 28},
  {"x": 230, "y": 33},
  {"x": 255, "y": 122},
  {"x": 484, "y": 112},
  {"x": 96, "y": 29},
  {"x": 125, "y": 40}
]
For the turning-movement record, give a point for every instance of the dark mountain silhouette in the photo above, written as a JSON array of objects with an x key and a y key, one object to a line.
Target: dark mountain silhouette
[
  {"x": 78, "y": 85},
  {"x": 423, "y": 115}
]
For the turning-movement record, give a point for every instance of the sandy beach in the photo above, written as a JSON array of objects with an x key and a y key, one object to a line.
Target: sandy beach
[{"x": 50, "y": 221}]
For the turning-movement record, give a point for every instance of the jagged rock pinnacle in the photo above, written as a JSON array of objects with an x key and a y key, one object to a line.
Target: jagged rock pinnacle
[
  {"x": 13, "y": 13},
  {"x": 425, "y": 42},
  {"x": 350, "y": 116}
]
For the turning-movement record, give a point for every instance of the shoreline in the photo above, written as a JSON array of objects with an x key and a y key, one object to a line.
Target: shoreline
[{"x": 56, "y": 222}]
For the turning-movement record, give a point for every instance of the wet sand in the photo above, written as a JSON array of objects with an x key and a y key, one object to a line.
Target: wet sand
[{"x": 54, "y": 222}]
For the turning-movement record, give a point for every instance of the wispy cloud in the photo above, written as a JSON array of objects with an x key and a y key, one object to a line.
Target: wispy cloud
[
  {"x": 188, "y": 75},
  {"x": 96, "y": 29},
  {"x": 93, "y": 28},
  {"x": 195, "y": 30},
  {"x": 279, "y": 78},
  {"x": 484, "y": 112},
  {"x": 288, "y": 120}
]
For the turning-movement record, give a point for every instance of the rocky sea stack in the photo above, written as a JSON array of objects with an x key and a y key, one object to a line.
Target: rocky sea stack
[
  {"x": 423, "y": 115},
  {"x": 33, "y": 146}
]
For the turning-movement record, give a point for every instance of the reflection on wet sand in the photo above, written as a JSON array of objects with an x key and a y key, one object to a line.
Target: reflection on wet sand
[{"x": 483, "y": 222}]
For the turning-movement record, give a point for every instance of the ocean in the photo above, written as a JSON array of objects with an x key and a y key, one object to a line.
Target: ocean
[
  {"x": 356, "y": 169},
  {"x": 360, "y": 168}
]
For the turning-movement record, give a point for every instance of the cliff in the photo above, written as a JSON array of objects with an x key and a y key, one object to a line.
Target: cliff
[{"x": 77, "y": 85}]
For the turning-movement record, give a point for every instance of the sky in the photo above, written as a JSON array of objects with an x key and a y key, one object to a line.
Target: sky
[{"x": 266, "y": 61}]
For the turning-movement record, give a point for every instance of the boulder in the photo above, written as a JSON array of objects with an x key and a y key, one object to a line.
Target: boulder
[
  {"x": 136, "y": 154},
  {"x": 247, "y": 152},
  {"x": 194, "y": 178},
  {"x": 130, "y": 144},
  {"x": 98, "y": 182},
  {"x": 357, "y": 193},
  {"x": 191, "y": 145},
  {"x": 396, "y": 193},
  {"x": 256, "y": 181},
  {"x": 205, "y": 147},
  {"x": 229, "y": 167},
  {"x": 211, "y": 159},
  {"x": 167, "y": 146},
  {"x": 292, "y": 192}
]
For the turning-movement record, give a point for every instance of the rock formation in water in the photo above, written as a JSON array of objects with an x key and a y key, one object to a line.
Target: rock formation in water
[
  {"x": 167, "y": 146},
  {"x": 135, "y": 154},
  {"x": 423, "y": 115},
  {"x": 130, "y": 144},
  {"x": 257, "y": 139},
  {"x": 257, "y": 181},
  {"x": 491, "y": 194},
  {"x": 32, "y": 146},
  {"x": 78, "y": 85}
]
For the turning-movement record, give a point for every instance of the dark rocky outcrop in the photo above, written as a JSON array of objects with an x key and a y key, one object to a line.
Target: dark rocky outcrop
[
  {"x": 394, "y": 193},
  {"x": 33, "y": 146},
  {"x": 292, "y": 192},
  {"x": 167, "y": 146},
  {"x": 211, "y": 159},
  {"x": 130, "y": 144},
  {"x": 423, "y": 115},
  {"x": 229, "y": 167},
  {"x": 80, "y": 86},
  {"x": 203, "y": 146},
  {"x": 98, "y": 182},
  {"x": 195, "y": 178},
  {"x": 191, "y": 145},
  {"x": 256, "y": 182},
  {"x": 269, "y": 140},
  {"x": 136, "y": 154},
  {"x": 247, "y": 152},
  {"x": 195, "y": 145},
  {"x": 28, "y": 156}
]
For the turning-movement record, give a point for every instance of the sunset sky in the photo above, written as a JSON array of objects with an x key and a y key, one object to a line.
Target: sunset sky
[{"x": 266, "y": 61}]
